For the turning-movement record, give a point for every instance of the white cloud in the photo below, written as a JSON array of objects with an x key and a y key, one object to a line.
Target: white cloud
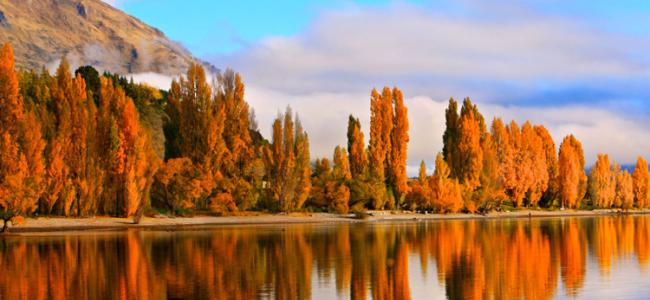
[
  {"x": 326, "y": 73},
  {"x": 404, "y": 44}
]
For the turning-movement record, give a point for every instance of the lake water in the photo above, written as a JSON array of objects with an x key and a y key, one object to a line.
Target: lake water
[{"x": 589, "y": 258}]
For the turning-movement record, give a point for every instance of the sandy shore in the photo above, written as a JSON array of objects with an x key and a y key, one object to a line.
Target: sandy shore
[{"x": 109, "y": 223}]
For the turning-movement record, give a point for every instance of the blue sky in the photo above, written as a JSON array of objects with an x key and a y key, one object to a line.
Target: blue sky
[
  {"x": 212, "y": 27},
  {"x": 578, "y": 67}
]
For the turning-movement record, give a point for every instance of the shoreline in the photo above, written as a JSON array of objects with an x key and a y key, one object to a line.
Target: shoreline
[{"x": 62, "y": 224}]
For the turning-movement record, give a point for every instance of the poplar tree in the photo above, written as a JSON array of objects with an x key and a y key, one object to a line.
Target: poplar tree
[
  {"x": 602, "y": 183},
  {"x": 624, "y": 188},
  {"x": 378, "y": 147},
  {"x": 470, "y": 153},
  {"x": 357, "y": 149},
  {"x": 451, "y": 136},
  {"x": 400, "y": 139},
  {"x": 550, "y": 155},
  {"x": 572, "y": 178},
  {"x": 20, "y": 151},
  {"x": 641, "y": 178},
  {"x": 288, "y": 163}
]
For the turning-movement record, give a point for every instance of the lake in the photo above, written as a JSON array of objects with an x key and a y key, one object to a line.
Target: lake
[{"x": 571, "y": 257}]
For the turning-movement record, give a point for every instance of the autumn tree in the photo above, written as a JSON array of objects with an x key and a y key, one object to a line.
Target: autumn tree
[
  {"x": 641, "y": 178},
  {"x": 288, "y": 163},
  {"x": 331, "y": 185},
  {"x": 322, "y": 183},
  {"x": 470, "y": 153},
  {"x": 419, "y": 192},
  {"x": 378, "y": 146},
  {"x": 572, "y": 177},
  {"x": 451, "y": 136},
  {"x": 356, "y": 149},
  {"x": 399, "y": 141},
  {"x": 131, "y": 161},
  {"x": 533, "y": 166},
  {"x": 446, "y": 192},
  {"x": 517, "y": 177},
  {"x": 624, "y": 188},
  {"x": 21, "y": 146},
  {"x": 505, "y": 153},
  {"x": 196, "y": 112},
  {"x": 178, "y": 186},
  {"x": 602, "y": 182},
  {"x": 550, "y": 154},
  {"x": 491, "y": 188},
  {"x": 214, "y": 130},
  {"x": 240, "y": 159}
]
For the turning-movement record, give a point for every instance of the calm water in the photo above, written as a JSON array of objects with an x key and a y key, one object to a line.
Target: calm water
[{"x": 590, "y": 258}]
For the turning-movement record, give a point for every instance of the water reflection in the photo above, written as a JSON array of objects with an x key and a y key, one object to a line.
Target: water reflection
[{"x": 497, "y": 259}]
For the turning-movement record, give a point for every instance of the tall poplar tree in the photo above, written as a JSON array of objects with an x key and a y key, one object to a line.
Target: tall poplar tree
[
  {"x": 641, "y": 179},
  {"x": 400, "y": 139},
  {"x": 572, "y": 178}
]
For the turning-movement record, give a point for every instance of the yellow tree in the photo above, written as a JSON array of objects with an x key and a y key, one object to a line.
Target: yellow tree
[
  {"x": 624, "y": 188},
  {"x": 446, "y": 193},
  {"x": 239, "y": 159},
  {"x": 533, "y": 166},
  {"x": 602, "y": 182},
  {"x": 338, "y": 187},
  {"x": 400, "y": 139},
  {"x": 451, "y": 136},
  {"x": 505, "y": 154},
  {"x": 230, "y": 97},
  {"x": 491, "y": 191},
  {"x": 303, "y": 167},
  {"x": 21, "y": 146},
  {"x": 641, "y": 179},
  {"x": 131, "y": 161},
  {"x": 517, "y": 177},
  {"x": 572, "y": 176},
  {"x": 376, "y": 146},
  {"x": 379, "y": 145},
  {"x": 419, "y": 192},
  {"x": 548, "y": 146},
  {"x": 356, "y": 149},
  {"x": 195, "y": 107},
  {"x": 470, "y": 152},
  {"x": 288, "y": 163},
  {"x": 33, "y": 146},
  {"x": 63, "y": 92}
]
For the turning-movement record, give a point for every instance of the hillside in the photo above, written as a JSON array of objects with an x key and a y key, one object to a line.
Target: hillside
[{"x": 87, "y": 32}]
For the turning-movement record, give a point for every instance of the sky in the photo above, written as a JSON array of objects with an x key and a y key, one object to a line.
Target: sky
[{"x": 579, "y": 67}]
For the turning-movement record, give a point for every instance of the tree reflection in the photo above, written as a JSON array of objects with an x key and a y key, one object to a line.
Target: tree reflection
[{"x": 492, "y": 259}]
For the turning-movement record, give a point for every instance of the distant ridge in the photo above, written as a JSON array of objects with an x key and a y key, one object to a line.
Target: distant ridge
[{"x": 87, "y": 32}]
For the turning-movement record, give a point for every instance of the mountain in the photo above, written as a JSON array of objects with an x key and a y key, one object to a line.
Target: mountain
[{"x": 87, "y": 32}]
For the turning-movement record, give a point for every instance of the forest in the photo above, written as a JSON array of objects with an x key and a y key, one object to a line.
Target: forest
[{"x": 84, "y": 144}]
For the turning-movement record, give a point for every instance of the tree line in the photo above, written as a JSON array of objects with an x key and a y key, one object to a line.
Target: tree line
[
  {"x": 508, "y": 165},
  {"x": 83, "y": 144}
]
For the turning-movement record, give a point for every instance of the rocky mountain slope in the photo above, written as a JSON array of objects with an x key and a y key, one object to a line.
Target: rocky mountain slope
[{"x": 87, "y": 32}]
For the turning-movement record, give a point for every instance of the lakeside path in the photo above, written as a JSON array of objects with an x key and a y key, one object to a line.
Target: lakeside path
[{"x": 59, "y": 224}]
